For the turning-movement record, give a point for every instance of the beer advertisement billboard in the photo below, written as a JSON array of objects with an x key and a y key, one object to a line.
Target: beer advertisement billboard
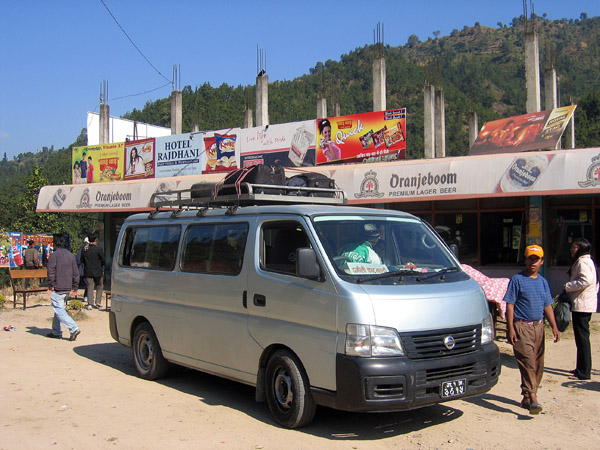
[{"x": 534, "y": 131}]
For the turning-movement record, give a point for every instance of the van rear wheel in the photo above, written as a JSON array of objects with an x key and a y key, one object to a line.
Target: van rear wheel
[
  {"x": 147, "y": 355},
  {"x": 288, "y": 391}
]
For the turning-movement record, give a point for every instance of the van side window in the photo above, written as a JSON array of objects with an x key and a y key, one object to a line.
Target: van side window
[
  {"x": 151, "y": 247},
  {"x": 280, "y": 242},
  {"x": 214, "y": 248}
]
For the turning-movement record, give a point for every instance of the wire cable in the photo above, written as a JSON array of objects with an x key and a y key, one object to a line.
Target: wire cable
[
  {"x": 141, "y": 93},
  {"x": 133, "y": 43}
]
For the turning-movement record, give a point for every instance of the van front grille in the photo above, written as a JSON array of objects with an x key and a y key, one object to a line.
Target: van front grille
[
  {"x": 448, "y": 373},
  {"x": 432, "y": 345}
]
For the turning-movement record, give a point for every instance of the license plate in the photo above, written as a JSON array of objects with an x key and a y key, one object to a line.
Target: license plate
[{"x": 454, "y": 388}]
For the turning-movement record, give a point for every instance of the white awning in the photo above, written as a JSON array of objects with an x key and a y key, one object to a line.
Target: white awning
[{"x": 557, "y": 172}]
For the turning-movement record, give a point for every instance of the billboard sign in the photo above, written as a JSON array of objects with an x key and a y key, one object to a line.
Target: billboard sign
[
  {"x": 139, "y": 159},
  {"x": 98, "y": 163},
  {"x": 287, "y": 145},
  {"x": 535, "y": 131},
  {"x": 363, "y": 138},
  {"x": 222, "y": 150},
  {"x": 14, "y": 244},
  {"x": 180, "y": 154}
]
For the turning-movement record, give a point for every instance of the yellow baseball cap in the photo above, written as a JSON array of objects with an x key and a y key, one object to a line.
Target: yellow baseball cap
[{"x": 534, "y": 250}]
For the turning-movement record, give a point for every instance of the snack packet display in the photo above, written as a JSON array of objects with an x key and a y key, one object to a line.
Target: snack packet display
[
  {"x": 225, "y": 150},
  {"x": 366, "y": 139}
]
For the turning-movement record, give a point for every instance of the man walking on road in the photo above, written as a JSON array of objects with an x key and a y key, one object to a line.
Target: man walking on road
[
  {"x": 528, "y": 300},
  {"x": 93, "y": 271},
  {"x": 63, "y": 277}
]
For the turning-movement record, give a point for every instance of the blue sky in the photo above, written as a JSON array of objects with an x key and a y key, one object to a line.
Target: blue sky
[{"x": 55, "y": 54}]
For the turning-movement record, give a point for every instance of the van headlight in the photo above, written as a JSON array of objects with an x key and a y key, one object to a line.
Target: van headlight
[
  {"x": 487, "y": 330},
  {"x": 370, "y": 340}
]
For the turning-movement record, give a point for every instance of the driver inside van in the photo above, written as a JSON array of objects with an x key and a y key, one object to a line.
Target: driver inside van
[{"x": 364, "y": 251}]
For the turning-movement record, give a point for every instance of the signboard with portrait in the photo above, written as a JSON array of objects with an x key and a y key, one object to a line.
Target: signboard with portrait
[
  {"x": 139, "y": 159},
  {"x": 363, "y": 138}
]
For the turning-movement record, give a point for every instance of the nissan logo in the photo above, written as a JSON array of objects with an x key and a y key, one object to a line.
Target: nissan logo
[{"x": 449, "y": 342}]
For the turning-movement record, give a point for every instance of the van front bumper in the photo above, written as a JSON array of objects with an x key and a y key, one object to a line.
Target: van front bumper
[{"x": 392, "y": 384}]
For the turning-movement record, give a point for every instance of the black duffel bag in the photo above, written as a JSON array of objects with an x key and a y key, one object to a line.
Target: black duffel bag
[
  {"x": 311, "y": 180},
  {"x": 562, "y": 311},
  {"x": 258, "y": 174}
]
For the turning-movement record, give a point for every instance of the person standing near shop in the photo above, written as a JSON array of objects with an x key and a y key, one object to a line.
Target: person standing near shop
[
  {"x": 63, "y": 277},
  {"x": 31, "y": 255},
  {"x": 528, "y": 299},
  {"x": 93, "y": 271},
  {"x": 86, "y": 244},
  {"x": 583, "y": 292}
]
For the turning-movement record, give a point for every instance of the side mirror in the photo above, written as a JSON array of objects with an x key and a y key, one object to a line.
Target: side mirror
[
  {"x": 307, "y": 265},
  {"x": 454, "y": 249}
]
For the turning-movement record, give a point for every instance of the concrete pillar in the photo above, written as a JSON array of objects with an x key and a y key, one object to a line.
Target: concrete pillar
[
  {"x": 262, "y": 100},
  {"x": 532, "y": 72},
  {"x": 337, "y": 110},
  {"x": 440, "y": 124},
  {"x": 195, "y": 128},
  {"x": 570, "y": 133},
  {"x": 176, "y": 112},
  {"x": 473, "y": 127},
  {"x": 104, "y": 123},
  {"x": 379, "y": 86},
  {"x": 321, "y": 108},
  {"x": 429, "y": 112},
  {"x": 550, "y": 89},
  {"x": 248, "y": 123}
]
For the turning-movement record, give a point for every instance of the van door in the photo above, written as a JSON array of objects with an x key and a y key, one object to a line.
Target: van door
[
  {"x": 212, "y": 285},
  {"x": 288, "y": 310}
]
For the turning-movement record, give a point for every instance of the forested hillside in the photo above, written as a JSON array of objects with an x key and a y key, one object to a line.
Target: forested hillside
[{"x": 480, "y": 68}]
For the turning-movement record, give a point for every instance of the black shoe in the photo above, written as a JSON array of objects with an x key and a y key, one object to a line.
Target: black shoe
[
  {"x": 54, "y": 336},
  {"x": 74, "y": 335}
]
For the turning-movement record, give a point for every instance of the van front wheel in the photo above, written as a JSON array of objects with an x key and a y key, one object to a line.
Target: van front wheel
[
  {"x": 288, "y": 391},
  {"x": 147, "y": 355}
]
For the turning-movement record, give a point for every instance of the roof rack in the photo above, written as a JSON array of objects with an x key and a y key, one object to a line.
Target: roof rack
[{"x": 249, "y": 194}]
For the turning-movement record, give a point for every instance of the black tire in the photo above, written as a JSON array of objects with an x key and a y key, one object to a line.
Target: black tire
[
  {"x": 147, "y": 355},
  {"x": 288, "y": 392}
]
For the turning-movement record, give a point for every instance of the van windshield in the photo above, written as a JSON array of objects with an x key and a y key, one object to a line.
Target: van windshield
[{"x": 369, "y": 248}]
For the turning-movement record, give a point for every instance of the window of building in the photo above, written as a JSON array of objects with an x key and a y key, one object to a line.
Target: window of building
[
  {"x": 566, "y": 225},
  {"x": 502, "y": 237},
  {"x": 461, "y": 229},
  {"x": 214, "y": 248}
]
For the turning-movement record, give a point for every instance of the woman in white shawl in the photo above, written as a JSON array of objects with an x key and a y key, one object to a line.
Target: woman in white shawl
[{"x": 583, "y": 290}]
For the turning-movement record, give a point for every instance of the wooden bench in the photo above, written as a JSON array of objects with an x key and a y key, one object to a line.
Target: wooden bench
[{"x": 21, "y": 274}]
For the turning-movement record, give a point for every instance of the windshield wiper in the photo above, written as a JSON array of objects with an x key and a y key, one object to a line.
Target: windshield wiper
[
  {"x": 440, "y": 273},
  {"x": 380, "y": 276}
]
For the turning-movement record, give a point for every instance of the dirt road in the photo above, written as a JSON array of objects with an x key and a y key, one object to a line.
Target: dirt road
[{"x": 85, "y": 394}]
